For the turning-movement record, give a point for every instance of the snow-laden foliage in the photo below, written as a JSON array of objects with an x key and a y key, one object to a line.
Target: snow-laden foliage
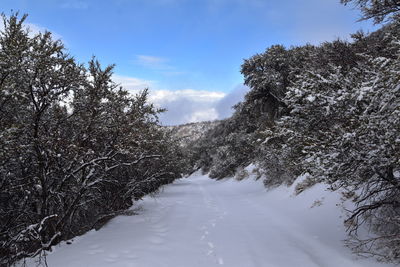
[
  {"x": 331, "y": 111},
  {"x": 353, "y": 142},
  {"x": 75, "y": 149},
  {"x": 343, "y": 128}
]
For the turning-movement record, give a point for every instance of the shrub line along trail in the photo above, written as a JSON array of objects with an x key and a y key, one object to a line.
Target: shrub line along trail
[{"x": 202, "y": 222}]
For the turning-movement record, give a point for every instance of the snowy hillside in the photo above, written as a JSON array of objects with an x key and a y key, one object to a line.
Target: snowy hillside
[
  {"x": 190, "y": 132},
  {"x": 203, "y": 222}
]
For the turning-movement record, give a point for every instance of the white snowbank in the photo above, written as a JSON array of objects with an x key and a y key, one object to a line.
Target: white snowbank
[{"x": 202, "y": 222}]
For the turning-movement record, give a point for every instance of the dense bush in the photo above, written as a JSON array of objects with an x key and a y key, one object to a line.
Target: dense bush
[
  {"x": 332, "y": 111},
  {"x": 75, "y": 148}
]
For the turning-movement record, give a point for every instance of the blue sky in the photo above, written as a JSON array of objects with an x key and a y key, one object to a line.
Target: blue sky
[{"x": 183, "y": 49}]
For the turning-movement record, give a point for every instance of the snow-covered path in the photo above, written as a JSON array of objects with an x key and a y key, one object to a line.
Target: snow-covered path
[{"x": 202, "y": 222}]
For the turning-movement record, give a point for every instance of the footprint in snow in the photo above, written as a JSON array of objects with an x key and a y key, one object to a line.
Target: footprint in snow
[
  {"x": 159, "y": 230},
  {"x": 156, "y": 240},
  {"x": 95, "y": 251}
]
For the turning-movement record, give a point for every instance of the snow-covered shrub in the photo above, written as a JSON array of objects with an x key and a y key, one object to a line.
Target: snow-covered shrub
[
  {"x": 74, "y": 147},
  {"x": 241, "y": 174},
  {"x": 347, "y": 125},
  {"x": 332, "y": 111}
]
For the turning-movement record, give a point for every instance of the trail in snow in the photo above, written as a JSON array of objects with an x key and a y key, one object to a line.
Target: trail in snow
[{"x": 202, "y": 222}]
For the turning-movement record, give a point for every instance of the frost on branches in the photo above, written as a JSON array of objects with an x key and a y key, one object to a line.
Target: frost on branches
[
  {"x": 75, "y": 148},
  {"x": 343, "y": 128},
  {"x": 332, "y": 111}
]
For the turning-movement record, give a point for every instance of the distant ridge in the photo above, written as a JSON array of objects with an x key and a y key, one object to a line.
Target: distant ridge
[{"x": 189, "y": 132}]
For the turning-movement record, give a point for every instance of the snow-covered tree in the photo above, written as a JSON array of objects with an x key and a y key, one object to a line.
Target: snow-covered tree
[
  {"x": 75, "y": 148},
  {"x": 331, "y": 111},
  {"x": 343, "y": 129}
]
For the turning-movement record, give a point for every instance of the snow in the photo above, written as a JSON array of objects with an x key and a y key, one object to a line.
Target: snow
[
  {"x": 311, "y": 98},
  {"x": 202, "y": 222}
]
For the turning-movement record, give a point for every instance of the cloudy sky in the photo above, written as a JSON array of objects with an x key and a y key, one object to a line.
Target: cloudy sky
[{"x": 188, "y": 52}]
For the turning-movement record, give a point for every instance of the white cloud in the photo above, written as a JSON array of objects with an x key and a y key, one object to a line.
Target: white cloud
[
  {"x": 150, "y": 59},
  {"x": 184, "y": 106},
  {"x": 159, "y": 64},
  {"x": 152, "y": 62},
  {"x": 132, "y": 84},
  {"x": 189, "y": 94},
  {"x": 224, "y": 106}
]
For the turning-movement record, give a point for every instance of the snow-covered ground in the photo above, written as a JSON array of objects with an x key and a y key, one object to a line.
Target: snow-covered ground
[{"x": 202, "y": 222}]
